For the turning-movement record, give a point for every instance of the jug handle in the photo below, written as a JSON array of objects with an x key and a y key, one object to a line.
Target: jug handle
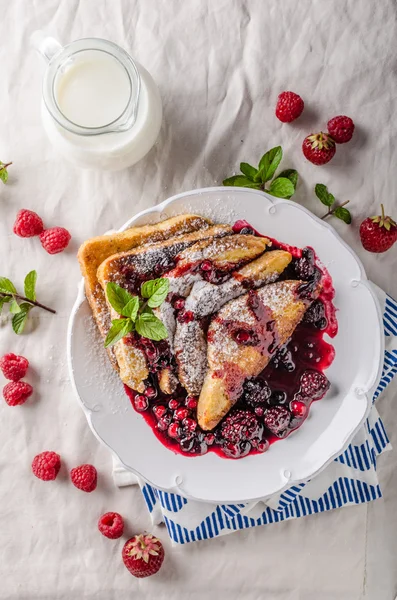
[{"x": 45, "y": 45}]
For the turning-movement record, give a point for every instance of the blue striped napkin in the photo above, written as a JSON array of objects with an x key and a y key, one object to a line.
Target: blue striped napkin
[{"x": 350, "y": 479}]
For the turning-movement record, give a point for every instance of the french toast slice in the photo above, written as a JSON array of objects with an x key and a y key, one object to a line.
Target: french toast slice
[
  {"x": 128, "y": 269},
  {"x": 205, "y": 298},
  {"x": 268, "y": 316},
  {"x": 95, "y": 250}
]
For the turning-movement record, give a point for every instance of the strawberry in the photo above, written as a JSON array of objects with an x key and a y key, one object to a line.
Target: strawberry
[
  {"x": 143, "y": 555},
  {"x": 319, "y": 148},
  {"x": 378, "y": 234}
]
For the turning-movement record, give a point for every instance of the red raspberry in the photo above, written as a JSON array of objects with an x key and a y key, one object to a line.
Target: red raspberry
[
  {"x": 55, "y": 240},
  {"x": 46, "y": 465},
  {"x": 341, "y": 129},
  {"x": 14, "y": 367},
  {"x": 314, "y": 384},
  {"x": 143, "y": 555},
  {"x": 17, "y": 392},
  {"x": 27, "y": 223},
  {"x": 289, "y": 107},
  {"x": 319, "y": 148},
  {"x": 111, "y": 525},
  {"x": 84, "y": 477}
]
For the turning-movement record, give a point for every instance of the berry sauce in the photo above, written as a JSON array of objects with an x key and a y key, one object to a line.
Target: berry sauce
[{"x": 273, "y": 404}]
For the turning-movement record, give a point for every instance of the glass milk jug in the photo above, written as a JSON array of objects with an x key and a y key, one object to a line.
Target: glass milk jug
[{"x": 100, "y": 108}]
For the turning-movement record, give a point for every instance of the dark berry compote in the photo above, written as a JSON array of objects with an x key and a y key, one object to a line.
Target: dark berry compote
[{"x": 273, "y": 404}]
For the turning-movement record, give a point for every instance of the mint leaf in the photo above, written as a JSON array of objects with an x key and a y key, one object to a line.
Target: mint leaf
[
  {"x": 343, "y": 214},
  {"x": 151, "y": 327},
  {"x": 323, "y": 195},
  {"x": 241, "y": 181},
  {"x": 269, "y": 163},
  {"x": 118, "y": 297},
  {"x": 281, "y": 187},
  {"x": 30, "y": 285},
  {"x": 131, "y": 308},
  {"x": 248, "y": 170},
  {"x": 118, "y": 330},
  {"x": 19, "y": 320},
  {"x": 156, "y": 290},
  {"x": 290, "y": 174},
  {"x": 3, "y": 174},
  {"x": 14, "y": 307},
  {"x": 6, "y": 286}
]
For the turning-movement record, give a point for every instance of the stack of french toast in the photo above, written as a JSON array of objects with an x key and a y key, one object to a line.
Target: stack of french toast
[{"x": 228, "y": 309}]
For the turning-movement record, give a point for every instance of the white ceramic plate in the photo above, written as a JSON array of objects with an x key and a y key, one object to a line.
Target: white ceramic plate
[{"x": 332, "y": 422}]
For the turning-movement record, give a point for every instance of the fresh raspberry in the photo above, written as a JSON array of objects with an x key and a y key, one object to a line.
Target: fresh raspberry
[
  {"x": 289, "y": 107},
  {"x": 314, "y": 384},
  {"x": 277, "y": 419},
  {"x": 111, "y": 525},
  {"x": 319, "y": 148},
  {"x": 17, "y": 392},
  {"x": 241, "y": 426},
  {"x": 341, "y": 129},
  {"x": 27, "y": 223},
  {"x": 46, "y": 465},
  {"x": 55, "y": 240},
  {"x": 14, "y": 367},
  {"x": 143, "y": 555},
  {"x": 378, "y": 234},
  {"x": 84, "y": 477}
]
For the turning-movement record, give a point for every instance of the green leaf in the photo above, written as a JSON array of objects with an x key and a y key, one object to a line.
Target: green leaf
[
  {"x": 323, "y": 195},
  {"x": 343, "y": 214},
  {"x": 117, "y": 296},
  {"x": 131, "y": 308},
  {"x": 290, "y": 174},
  {"x": 151, "y": 327},
  {"x": 30, "y": 285},
  {"x": 19, "y": 320},
  {"x": 14, "y": 307},
  {"x": 281, "y": 187},
  {"x": 3, "y": 174},
  {"x": 6, "y": 286},
  {"x": 269, "y": 163},
  {"x": 241, "y": 181},
  {"x": 118, "y": 330},
  {"x": 248, "y": 170},
  {"x": 3, "y": 301},
  {"x": 156, "y": 290}
]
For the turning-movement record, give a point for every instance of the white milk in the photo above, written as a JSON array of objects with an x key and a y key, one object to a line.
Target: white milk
[
  {"x": 94, "y": 90},
  {"x": 87, "y": 86}
]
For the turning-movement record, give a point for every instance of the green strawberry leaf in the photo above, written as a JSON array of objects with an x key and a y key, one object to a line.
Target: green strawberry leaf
[
  {"x": 248, "y": 170},
  {"x": 6, "y": 286},
  {"x": 155, "y": 290},
  {"x": 19, "y": 319},
  {"x": 281, "y": 187},
  {"x": 131, "y": 308},
  {"x": 241, "y": 181},
  {"x": 323, "y": 195},
  {"x": 151, "y": 327},
  {"x": 290, "y": 174},
  {"x": 118, "y": 297},
  {"x": 343, "y": 214},
  {"x": 269, "y": 163},
  {"x": 118, "y": 330},
  {"x": 30, "y": 285}
]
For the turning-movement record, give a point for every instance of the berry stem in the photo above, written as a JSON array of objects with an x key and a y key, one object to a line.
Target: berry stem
[
  {"x": 331, "y": 212},
  {"x": 32, "y": 302}
]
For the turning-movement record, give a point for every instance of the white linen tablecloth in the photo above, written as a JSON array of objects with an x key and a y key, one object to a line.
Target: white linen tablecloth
[{"x": 219, "y": 66}]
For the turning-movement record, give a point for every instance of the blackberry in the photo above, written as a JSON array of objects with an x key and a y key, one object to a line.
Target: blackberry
[{"x": 256, "y": 392}]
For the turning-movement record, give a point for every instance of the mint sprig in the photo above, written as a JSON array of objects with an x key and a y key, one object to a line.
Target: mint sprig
[
  {"x": 19, "y": 305},
  {"x": 3, "y": 171},
  {"x": 328, "y": 200},
  {"x": 137, "y": 314},
  {"x": 283, "y": 186}
]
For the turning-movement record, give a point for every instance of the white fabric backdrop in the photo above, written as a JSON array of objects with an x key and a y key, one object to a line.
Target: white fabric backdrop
[{"x": 219, "y": 66}]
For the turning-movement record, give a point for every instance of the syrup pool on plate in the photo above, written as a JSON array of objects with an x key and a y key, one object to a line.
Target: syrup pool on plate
[{"x": 273, "y": 404}]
